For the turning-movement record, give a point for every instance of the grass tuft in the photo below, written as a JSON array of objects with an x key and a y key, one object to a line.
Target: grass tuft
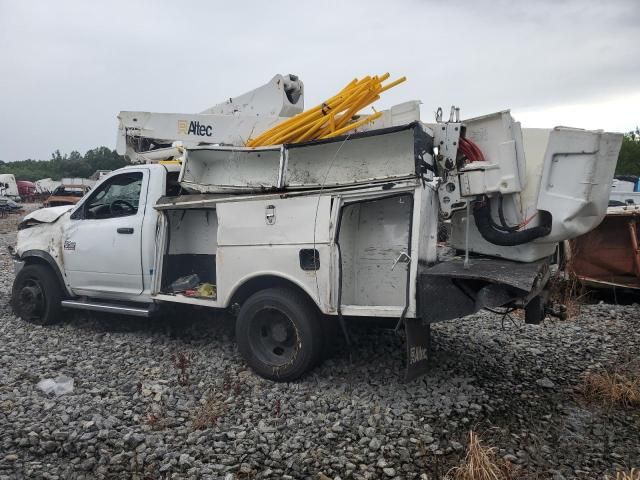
[
  {"x": 633, "y": 474},
  {"x": 480, "y": 463},
  {"x": 618, "y": 388}
]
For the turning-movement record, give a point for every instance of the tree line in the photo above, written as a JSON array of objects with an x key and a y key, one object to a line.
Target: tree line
[
  {"x": 103, "y": 158},
  {"x": 629, "y": 158},
  {"x": 59, "y": 166}
]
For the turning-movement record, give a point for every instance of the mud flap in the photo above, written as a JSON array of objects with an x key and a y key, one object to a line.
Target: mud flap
[{"x": 418, "y": 339}]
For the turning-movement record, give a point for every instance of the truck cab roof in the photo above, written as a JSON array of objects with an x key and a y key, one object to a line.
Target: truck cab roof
[{"x": 169, "y": 167}]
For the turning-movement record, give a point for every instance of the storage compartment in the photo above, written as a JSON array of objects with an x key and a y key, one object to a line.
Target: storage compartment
[
  {"x": 224, "y": 169},
  {"x": 358, "y": 159},
  {"x": 373, "y": 234},
  {"x": 192, "y": 245}
]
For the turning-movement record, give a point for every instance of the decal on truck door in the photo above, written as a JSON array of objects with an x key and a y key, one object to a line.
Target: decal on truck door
[{"x": 69, "y": 245}]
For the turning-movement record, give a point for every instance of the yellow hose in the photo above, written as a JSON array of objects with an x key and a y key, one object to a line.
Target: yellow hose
[{"x": 331, "y": 118}]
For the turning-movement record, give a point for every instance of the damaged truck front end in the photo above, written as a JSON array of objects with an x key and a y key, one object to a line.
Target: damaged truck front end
[{"x": 40, "y": 238}]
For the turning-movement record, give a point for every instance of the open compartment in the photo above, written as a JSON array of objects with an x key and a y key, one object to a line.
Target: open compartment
[
  {"x": 224, "y": 169},
  {"x": 383, "y": 155},
  {"x": 374, "y": 238},
  {"x": 192, "y": 244}
]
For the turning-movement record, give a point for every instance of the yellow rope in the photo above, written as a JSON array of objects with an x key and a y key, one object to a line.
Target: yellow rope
[{"x": 334, "y": 117}]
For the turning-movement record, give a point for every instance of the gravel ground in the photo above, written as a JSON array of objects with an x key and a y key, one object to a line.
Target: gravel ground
[{"x": 173, "y": 399}]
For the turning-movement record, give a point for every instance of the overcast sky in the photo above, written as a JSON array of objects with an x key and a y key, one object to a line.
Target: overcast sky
[{"x": 68, "y": 67}]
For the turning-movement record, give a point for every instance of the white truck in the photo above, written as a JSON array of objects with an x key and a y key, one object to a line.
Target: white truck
[{"x": 290, "y": 236}]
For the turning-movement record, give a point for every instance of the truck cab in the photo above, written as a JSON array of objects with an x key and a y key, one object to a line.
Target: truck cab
[{"x": 102, "y": 247}]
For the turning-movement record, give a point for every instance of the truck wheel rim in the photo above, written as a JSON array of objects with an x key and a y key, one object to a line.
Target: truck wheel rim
[
  {"x": 32, "y": 300},
  {"x": 273, "y": 337}
]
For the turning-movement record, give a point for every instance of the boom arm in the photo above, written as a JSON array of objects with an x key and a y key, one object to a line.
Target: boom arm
[{"x": 231, "y": 122}]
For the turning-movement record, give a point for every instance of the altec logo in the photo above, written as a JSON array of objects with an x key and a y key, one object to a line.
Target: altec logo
[{"x": 194, "y": 128}]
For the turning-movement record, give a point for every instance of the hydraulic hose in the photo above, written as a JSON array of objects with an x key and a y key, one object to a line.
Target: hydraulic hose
[
  {"x": 486, "y": 227},
  {"x": 504, "y": 226}
]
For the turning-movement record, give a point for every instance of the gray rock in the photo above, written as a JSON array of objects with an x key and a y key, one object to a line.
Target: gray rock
[
  {"x": 88, "y": 464},
  {"x": 132, "y": 440},
  {"x": 185, "y": 460},
  {"x": 456, "y": 445},
  {"x": 545, "y": 383}
]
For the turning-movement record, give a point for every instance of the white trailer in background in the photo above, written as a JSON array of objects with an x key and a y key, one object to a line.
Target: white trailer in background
[
  {"x": 9, "y": 186},
  {"x": 291, "y": 236}
]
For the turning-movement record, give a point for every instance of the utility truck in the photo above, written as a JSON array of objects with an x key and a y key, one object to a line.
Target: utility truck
[{"x": 291, "y": 238}]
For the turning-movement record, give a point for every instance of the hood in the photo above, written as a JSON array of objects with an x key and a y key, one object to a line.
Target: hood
[{"x": 45, "y": 215}]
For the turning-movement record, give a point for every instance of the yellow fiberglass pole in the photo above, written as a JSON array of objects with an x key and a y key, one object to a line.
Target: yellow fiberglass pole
[{"x": 357, "y": 124}]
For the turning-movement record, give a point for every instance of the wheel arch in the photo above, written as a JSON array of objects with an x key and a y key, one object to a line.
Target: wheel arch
[
  {"x": 31, "y": 257},
  {"x": 248, "y": 286}
]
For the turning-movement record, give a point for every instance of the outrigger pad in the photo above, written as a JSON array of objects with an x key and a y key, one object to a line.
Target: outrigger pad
[{"x": 418, "y": 339}]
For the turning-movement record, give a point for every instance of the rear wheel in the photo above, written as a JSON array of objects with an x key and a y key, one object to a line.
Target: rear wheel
[
  {"x": 36, "y": 295},
  {"x": 279, "y": 334}
]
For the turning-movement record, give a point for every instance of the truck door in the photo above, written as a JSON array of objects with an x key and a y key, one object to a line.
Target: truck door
[{"x": 102, "y": 240}]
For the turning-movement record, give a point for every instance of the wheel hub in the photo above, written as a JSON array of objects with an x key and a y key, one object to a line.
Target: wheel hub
[
  {"x": 279, "y": 332},
  {"x": 30, "y": 298},
  {"x": 274, "y": 337}
]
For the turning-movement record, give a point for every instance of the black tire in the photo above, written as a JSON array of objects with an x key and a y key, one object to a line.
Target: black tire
[
  {"x": 534, "y": 312},
  {"x": 36, "y": 295},
  {"x": 279, "y": 334}
]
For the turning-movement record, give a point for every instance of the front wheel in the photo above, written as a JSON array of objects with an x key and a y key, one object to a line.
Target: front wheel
[
  {"x": 278, "y": 334},
  {"x": 36, "y": 295}
]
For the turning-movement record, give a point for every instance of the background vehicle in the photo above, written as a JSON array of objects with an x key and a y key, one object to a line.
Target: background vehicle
[
  {"x": 9, "y": 187},
  {"x": 27, "y": 190},
  {"x": 66, "y": 195}
]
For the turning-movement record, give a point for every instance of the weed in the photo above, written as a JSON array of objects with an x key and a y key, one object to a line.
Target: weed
[
  {"x": 156, "y": 413},
  {"x": 565, "y": 289},
  {"x": 208, "y": 414},
  {"x": 232, "y": 384},
  {"x": 182, "y": 362}
]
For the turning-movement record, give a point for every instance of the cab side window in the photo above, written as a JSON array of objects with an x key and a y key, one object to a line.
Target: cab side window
[{"x": 117, "y": 197}]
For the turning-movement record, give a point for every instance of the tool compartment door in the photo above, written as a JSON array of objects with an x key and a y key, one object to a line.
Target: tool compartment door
[{"x": 373, "y": 239}]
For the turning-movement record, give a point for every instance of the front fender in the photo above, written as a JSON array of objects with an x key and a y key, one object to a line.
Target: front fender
[
  {"x": 44, "y": 257},
  {"x": 43, "y": 243}
]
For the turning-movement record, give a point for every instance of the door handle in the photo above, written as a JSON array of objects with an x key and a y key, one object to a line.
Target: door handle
[
  {"x": 125, "y": 230},
  {"x": 403, "y": 258}
]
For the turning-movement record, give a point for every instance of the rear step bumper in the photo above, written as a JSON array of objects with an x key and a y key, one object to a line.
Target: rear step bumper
[{"x": 106, "y": 307}]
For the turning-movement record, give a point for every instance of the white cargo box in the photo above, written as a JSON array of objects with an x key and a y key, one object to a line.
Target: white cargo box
[{"x": 377, "y": 156}]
